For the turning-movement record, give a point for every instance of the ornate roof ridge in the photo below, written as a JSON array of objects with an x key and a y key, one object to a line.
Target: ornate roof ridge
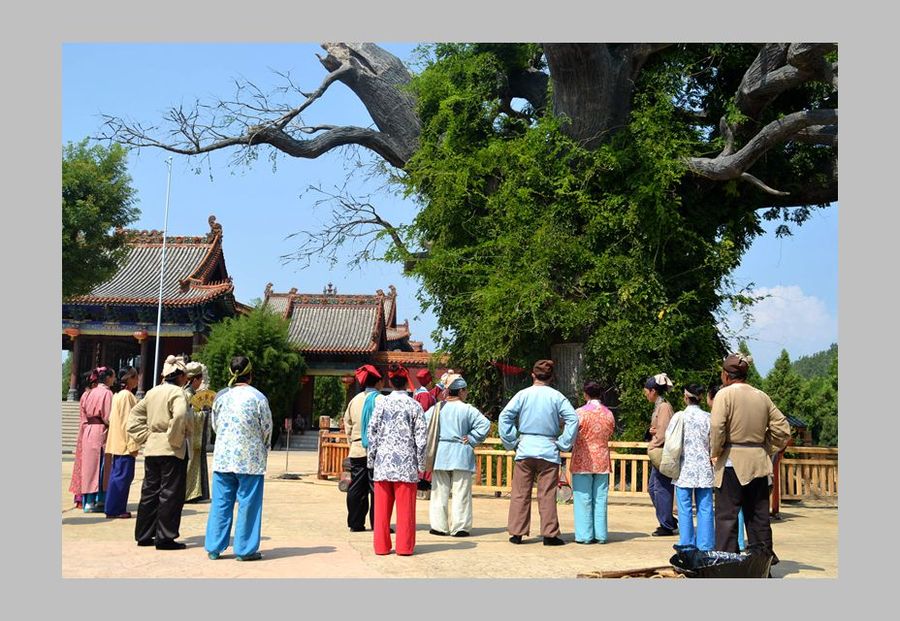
[{"x": 154, "y": 236}]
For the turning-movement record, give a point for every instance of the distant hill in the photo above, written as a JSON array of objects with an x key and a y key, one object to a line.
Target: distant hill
[{"x": 815, "y": 365}]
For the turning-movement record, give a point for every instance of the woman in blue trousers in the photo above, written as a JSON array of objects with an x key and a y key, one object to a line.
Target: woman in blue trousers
[
  {"x": 694, "y": 484},
  {"x": 242, "y": 421},
  {"x": 590, "y": 467}
]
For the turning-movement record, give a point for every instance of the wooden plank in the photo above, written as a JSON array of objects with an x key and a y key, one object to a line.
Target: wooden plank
[
  {"x": 645, "y": 477},
  {"x": 509, "y": 471},
  {"x": 489, "y": 468}
]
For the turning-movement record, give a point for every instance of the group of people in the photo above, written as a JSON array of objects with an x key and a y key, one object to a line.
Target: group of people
[
  {"x": 173, "y": 438},
  {"x": 400, "y": 437},
  {"x": 724, "y": 457},
  {"x": 724, "y": 468}
]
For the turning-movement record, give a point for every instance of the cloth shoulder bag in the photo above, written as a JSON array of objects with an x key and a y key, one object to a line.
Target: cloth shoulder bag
[
  {"x": 432, "y": 438},
  {"x": 670, "y": 460}
]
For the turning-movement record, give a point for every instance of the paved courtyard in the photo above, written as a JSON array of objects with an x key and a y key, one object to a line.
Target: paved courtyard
[{"x": 304, "y": 535}]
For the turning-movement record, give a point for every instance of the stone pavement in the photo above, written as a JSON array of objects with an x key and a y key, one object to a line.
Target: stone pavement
[{"x": 304, "y": 535}]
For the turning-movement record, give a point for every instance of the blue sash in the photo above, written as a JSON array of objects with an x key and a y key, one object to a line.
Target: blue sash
[{"x": 368, "y": 408}]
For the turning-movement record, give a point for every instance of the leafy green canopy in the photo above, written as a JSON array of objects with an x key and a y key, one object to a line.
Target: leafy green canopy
[
  {"x": 262, "y": 336},
  {"x": 813, "y": 400},
  {"x": 329, "y": 397},
  {"x": 534, "y": 240},
  {"x": 97, "y": 199}
]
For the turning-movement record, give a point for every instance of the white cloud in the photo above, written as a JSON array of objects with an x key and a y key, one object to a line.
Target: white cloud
[{"x": 786, "y": 319}]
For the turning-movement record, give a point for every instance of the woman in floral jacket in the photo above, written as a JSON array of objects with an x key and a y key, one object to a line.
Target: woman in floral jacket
[
  {"x": 590, "y": 467},
  {"x": 695, "y": 481},
  {"x": 242, "y": 421}
]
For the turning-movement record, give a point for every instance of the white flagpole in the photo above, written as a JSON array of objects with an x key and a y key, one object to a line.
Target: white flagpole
[{"x": 162, "y": 271}]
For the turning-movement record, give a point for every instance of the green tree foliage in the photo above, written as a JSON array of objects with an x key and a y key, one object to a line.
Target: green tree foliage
[
  {"x": 97, "y": 200},
  {"x": 816, "y": 365},
  {"x": 753, "y": 376},
  {"x": 534, "y": 240},
  {"x": 262, "y": 336},
  {"x": 66, "y": 375},
  {"x": 328, "y": 397},
  {"x": 815, "y": 400}
]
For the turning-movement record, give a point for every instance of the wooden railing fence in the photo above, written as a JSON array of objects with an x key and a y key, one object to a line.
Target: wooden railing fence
[{"x": 804, "y": 472}]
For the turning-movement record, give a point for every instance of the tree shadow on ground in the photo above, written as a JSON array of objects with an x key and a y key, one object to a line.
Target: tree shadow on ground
[
  {"x": 475, "y": 532},
  {"x": 199, "y": 540},
  {"x": 784, "y": 568},
  {"x": 288, "y": 552},
  {"x": 613, "y": 537},
  {"x": 453, "y": 544}
]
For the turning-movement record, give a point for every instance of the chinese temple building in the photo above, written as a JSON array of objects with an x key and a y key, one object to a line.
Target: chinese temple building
[
  {"x": 338, "y": 333},
  {"x": 115, "y": 324}
]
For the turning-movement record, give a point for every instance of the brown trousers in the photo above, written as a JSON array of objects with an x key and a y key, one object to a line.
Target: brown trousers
[{"x": 524, "y": 473}]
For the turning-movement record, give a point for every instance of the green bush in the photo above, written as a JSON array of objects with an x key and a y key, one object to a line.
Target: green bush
[{"x": 262, "y": 336}]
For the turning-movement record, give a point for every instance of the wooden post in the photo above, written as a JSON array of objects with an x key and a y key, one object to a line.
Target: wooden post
[{"x": 73, "y": 334}]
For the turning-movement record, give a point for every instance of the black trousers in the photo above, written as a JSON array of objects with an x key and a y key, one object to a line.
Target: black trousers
[
  {"x": 162, "y": 499},
  {"x": 753, "y": 498},
  {"x": 360, "y": 495}
]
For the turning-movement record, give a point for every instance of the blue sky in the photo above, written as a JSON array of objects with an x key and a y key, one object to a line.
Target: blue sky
[{"x": 258, "y": 208}]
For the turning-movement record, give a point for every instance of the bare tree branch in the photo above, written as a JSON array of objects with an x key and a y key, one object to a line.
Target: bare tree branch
[
  {"x": 726, "y": 167},
  {"x": 818, "y": 134},
  {"x": 252, "y": 118},
  {"x": 352, "y": 220},
  {"x": 753, "y": 180},
  {"x": 780, "y": 67}
]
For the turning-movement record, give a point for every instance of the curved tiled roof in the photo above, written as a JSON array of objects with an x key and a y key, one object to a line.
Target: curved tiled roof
[
  {"x": 190, "y": 261},
  {"x": 336, "y": 327}
]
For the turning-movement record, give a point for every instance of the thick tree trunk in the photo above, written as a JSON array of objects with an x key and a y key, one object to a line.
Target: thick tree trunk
[{"x": 593, "y": 84}]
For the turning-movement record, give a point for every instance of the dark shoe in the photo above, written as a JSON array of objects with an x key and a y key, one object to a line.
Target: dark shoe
[
  {"x": 357, "y": 530},
  {"x": 600, "y": 541},
  {"x": 122, "y": 516},
  {"x": 462, "y": 533},
  {"x": 438, "y": 533},
  {"x": 515, "y": 539},
  {"x": 250, "y": 557},
  {"x": 662, "y": 532},
  {"x": 212, "y": 555},
  {"x": 170, "y": 545},
  {"x": 585, "y": 542},
  {"x": 553, "y": 541},
  {"x": 146, "y": 542},
  {"x": 392, "y": 530}
]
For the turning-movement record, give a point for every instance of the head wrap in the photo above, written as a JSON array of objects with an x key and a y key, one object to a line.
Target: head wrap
[
  {"x": 398, "y": 371},
  {"x": 660, "y": 380},
  {"x": 193, "y": 369},
  {"x": 424, "y": 376},
  {"x": 445, "y": 379},
  {"x": 695, "y": 395},
  {"x": 737, "y": 363},
  {"x": 173, "y": 364},
  {"x": 457, "y": 383},
  {"x": 204, "y": 383},
  {"x": 543, "y": 367},
  {"x": 237, "y": 374},
  {"x": 362, "y": 373}
]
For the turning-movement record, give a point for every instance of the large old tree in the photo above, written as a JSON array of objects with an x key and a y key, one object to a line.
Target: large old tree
[{"x": 593, "y": 193}]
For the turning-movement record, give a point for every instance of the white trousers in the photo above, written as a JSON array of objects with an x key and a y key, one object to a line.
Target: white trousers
[{"x": 451, "y": 489}]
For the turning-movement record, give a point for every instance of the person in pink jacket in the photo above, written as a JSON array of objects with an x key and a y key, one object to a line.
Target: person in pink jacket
[
  {"x": 94, "y": 424},
  {"x": 590, "y": 467}
]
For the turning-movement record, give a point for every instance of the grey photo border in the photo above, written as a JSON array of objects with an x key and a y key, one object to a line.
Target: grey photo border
[{"x": 32, "y": 258}]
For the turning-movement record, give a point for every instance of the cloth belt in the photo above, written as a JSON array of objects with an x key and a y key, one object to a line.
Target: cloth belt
[
  {"x": 96, "y": 421},
  {"x": 752, "y": 444}
]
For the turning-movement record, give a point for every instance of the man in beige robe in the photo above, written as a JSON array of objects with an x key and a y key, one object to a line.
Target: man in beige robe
[{"x": 746, "y": 429}]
